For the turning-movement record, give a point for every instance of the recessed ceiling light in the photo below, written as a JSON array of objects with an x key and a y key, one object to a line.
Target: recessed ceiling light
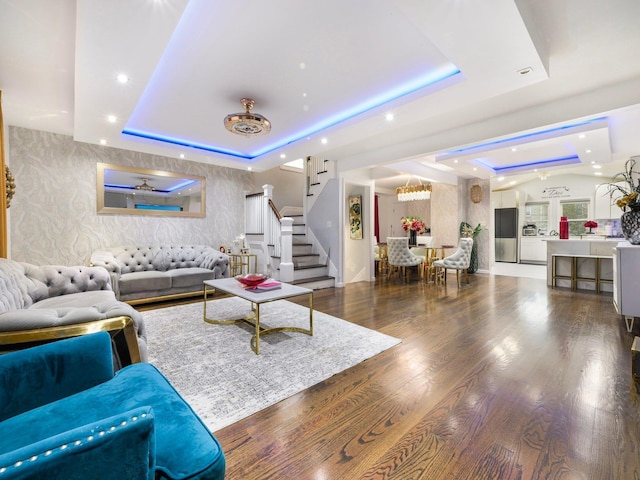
[
  {"x": 389, "y": 116},
  {"x": 282, "y": 155},
  {"x": 455, "y": 161},
  {"x": 324, "y": 141},
  {"x": 249, "y": 168},
  {"x": 182, "y": 155},
  {"x": 112, "y": 118},
  {"x": 304, "y": 94},
  {"x": 592, "y": 162},
  {"x": 103, "y": 141},
  {"x": 302, "y": 66},
  {"x": 475, "y": 168},
  {"x": 122, "y": 78},
  {"x": 513, "y": 182},
  {"x": 582, "y": 135},
  {"x": 597, "y": 173},
  {"x": 514, "y": 149},
  {"x": 597, "y": 166},
  {"x": 588, "y": 150},
  {"x": 500, "y": 179}
]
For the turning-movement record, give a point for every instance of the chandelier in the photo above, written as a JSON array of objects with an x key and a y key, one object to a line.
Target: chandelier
[
  {"x": 247, "y": 123},
  {"x": 408, "y": 193},
  {"x": 145, "y": 186}
]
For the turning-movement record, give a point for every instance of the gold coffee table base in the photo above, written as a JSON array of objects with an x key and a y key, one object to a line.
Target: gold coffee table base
[{"x": 253, "y": 320}]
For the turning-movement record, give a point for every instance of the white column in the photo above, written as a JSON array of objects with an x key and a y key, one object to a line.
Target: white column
[
  {"x": 264, "y": 260},
  {"x": 286, "y": 249}
]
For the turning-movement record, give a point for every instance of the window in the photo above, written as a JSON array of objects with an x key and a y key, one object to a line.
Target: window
[
  {"x": 577, "y": 213},
  {"x": 537, "y": 214}
]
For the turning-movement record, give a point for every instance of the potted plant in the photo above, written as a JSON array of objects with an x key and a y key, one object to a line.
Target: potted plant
[{"x": 629, "y": 202}]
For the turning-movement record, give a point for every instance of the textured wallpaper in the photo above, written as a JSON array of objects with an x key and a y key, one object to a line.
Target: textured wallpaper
[
  {"x": 475, "y": 213},
  {"x": 53, "y": 219},
  {"x": 444, "y": 215}
]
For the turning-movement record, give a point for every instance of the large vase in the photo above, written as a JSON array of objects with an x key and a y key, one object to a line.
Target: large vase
[
  {"x": 630, "y": 224},
  {"x": 473, "y": 262},
  {"x": 413, "y": 237}
]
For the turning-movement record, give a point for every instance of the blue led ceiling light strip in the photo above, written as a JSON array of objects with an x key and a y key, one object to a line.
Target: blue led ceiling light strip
[
  {"x": 529, "y": 165},
  {"x": 526, "y": 136},
  {"x": 375, "y": 102}
]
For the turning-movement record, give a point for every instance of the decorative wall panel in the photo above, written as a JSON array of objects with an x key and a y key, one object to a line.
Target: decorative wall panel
[{"x": 53, "y": 217}]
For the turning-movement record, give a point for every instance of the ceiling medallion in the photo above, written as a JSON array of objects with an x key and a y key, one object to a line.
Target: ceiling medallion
[
  {"x": 247, "y": 123},
  {"x": 414, "y": 192}
]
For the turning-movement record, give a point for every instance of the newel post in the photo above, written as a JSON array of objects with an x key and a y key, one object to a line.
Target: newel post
[{"x": 286, "y": 249}]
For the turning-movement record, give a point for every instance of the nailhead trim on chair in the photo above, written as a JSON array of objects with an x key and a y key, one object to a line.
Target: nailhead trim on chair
[{"x": 76, "y": 443}]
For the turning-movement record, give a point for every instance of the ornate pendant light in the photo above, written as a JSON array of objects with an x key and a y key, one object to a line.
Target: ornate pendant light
[
  {"x": 247, "y": 123},
  {"x": 145, "y": 186},
  {"x": 408, "y": 193}
]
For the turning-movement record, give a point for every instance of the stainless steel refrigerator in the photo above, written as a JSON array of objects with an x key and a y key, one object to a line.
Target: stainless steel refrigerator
[{"x": 506, "y": 224}]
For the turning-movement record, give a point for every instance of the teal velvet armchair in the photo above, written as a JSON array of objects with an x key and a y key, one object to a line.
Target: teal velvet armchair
[{"x": 65, "y": 415}]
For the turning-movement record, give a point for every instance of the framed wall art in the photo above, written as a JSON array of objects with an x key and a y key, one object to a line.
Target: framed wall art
[{"x": 355, "y": 217}]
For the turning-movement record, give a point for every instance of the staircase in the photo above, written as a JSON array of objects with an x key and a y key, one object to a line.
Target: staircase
[
  {"x": 308, "y": 270},
  {"x": 281, "y": 243}
]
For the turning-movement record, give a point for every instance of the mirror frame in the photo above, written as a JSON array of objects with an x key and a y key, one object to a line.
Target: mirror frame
[{"x": 101, "y": 209}]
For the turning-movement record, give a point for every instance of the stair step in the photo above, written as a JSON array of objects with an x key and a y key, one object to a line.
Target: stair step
[
  {"x": 297, "y": 255},
  {"x": 316, "y": 283},
  {"x": 308, "y": 266}
]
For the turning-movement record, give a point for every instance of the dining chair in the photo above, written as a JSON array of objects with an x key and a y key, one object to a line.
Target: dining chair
[
  {"x": 399, "y": 257},
  {"x": 430, "y": 272},
  {"x": 458, "y": 261},
  {"x": 380, "y": 258}
]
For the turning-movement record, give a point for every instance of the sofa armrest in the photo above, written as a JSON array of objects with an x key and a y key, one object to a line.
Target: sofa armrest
[
  {"x": 216, "y": 261},
  {"x": 121, "y": 446},
  {"x": 46, "y": 373},
  {"x": 24, "y": 328},
  {"x": 105, "y": 259}
]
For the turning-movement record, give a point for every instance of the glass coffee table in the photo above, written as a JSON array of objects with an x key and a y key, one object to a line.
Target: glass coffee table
[{"x": 235, "y": 288}]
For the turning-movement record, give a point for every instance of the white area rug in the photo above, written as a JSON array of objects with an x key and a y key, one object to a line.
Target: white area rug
[{"x": 215, "y": 370}]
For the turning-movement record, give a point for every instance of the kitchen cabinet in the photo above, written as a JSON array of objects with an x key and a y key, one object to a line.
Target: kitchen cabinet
[
  {"x": 605, "y": 204},
  {"x": 626, "y": 265},
  {"x": 533, "y": 250},
  {"x": 505, "y": 198}
]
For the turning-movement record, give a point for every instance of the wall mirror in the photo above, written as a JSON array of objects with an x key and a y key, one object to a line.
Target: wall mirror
[{"x": 138, "y": 191}]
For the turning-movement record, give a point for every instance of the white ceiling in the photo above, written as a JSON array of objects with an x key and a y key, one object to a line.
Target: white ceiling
[{"x": 449, "y": 71}]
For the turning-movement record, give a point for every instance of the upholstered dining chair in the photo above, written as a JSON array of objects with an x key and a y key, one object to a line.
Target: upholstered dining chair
[
  {"x": 458, "y": 261},
  {"x": 399, "y": 256},
  {"x": 429, "y": 270}
]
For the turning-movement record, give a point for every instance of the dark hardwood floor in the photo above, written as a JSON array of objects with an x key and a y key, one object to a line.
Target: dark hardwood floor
[{"x": 504, "y": 379}]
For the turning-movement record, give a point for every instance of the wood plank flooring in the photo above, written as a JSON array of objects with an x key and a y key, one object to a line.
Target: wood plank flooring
[{"x": 504, "y": 379}]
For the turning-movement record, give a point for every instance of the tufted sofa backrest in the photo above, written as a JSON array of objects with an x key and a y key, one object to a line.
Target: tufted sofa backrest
[
  {"x": 23, "y": 284},
  {"x": 160, "y": 258}
]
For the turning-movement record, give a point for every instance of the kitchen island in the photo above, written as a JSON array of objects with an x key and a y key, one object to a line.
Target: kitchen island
[{"x": 591, "y": 261}]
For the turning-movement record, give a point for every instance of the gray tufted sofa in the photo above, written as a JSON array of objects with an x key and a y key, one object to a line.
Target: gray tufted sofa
[
  {"x": 144, "y": 273},
  {"x": 40, "y": 303}
]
